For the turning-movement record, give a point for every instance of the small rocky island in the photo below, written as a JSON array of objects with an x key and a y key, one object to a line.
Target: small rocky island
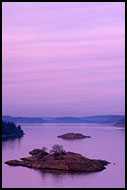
[
  {"x": 11, "y": 131},
  {"x": 120, "y": 123},
  {"x": 72, "y": 136},
  {"x": 59, "y": 159}
]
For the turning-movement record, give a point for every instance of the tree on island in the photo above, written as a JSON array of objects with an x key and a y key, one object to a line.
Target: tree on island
[
  {"x": 44, "y": 148},
  {"x": 57, "y": 150}
]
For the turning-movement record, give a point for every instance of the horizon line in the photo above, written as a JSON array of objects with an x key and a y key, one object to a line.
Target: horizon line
[{"x": 65, "y": 116}]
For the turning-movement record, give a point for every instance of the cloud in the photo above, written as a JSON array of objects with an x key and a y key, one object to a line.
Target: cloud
[{"x": 63, "y": 56}]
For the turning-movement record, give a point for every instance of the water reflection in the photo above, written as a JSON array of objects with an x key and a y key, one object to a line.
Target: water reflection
[
  {"x": 60, "y": 174},
  {"x": 11, "y": 143},
  {"x": 106, "y": 143}
]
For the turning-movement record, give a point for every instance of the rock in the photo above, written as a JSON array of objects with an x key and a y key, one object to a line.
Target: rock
[
  {"x": 72, "y": 136},
  {"x": 38, "y": 151},
  {"x": 13, "y": 162},
  {"x": 120, "y": 123},
  {"x": 13, "y": 136},
  {"x": 67, "y": 162}
]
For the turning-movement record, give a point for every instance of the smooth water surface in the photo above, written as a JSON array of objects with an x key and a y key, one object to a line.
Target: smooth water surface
[{"x": 106, "y": 143}]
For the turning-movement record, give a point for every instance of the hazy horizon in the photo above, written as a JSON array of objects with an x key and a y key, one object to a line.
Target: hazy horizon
[
  {"x": 63, "y": 59},
  {"x": 66, "y": 116}
]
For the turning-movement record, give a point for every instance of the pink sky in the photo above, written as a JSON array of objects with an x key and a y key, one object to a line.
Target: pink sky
[{"x": 63, "y": 59}]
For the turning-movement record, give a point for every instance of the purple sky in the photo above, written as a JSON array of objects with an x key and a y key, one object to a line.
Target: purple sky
[{"x": 63, "y": 59}]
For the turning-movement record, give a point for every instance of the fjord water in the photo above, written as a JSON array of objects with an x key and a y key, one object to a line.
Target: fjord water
[{"x": 106, "y": 142}]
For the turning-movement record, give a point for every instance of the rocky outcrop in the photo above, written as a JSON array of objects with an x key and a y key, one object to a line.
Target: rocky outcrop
[
  {"x": 72, "y": 136},
  {"x": 66, "y": 161},
  {"x": 13, "y": 136},
  {"x": 120, "y": 123}
]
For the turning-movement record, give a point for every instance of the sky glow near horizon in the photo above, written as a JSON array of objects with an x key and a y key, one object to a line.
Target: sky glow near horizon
[{"x": 63, "y": 59}]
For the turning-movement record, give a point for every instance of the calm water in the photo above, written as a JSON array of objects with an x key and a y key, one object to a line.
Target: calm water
[{"x": 106, "y": 143}]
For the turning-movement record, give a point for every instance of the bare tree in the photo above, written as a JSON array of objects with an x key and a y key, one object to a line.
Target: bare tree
[
  {"x": 44, "y": 148},
  {"x": 57, "y": 149}
]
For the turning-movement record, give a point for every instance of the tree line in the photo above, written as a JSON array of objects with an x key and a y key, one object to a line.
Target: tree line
[{"x": 9, "y": 128}]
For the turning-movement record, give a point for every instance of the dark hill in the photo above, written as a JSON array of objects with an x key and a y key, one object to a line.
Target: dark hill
[
  {"x": 10, "y": 130},
  {"x": 101, "y": 119}
]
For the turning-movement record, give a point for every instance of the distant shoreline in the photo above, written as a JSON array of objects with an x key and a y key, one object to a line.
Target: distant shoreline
[{"x": 99, "y": 119}]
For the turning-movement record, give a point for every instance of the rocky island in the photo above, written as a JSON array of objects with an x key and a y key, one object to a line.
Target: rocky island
[
  {"x": 11, "y": 131},
  {"x": 72, "y": 136},
  {"x": 59, "y": 159},
  {"x": 120, "y": 123}
]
